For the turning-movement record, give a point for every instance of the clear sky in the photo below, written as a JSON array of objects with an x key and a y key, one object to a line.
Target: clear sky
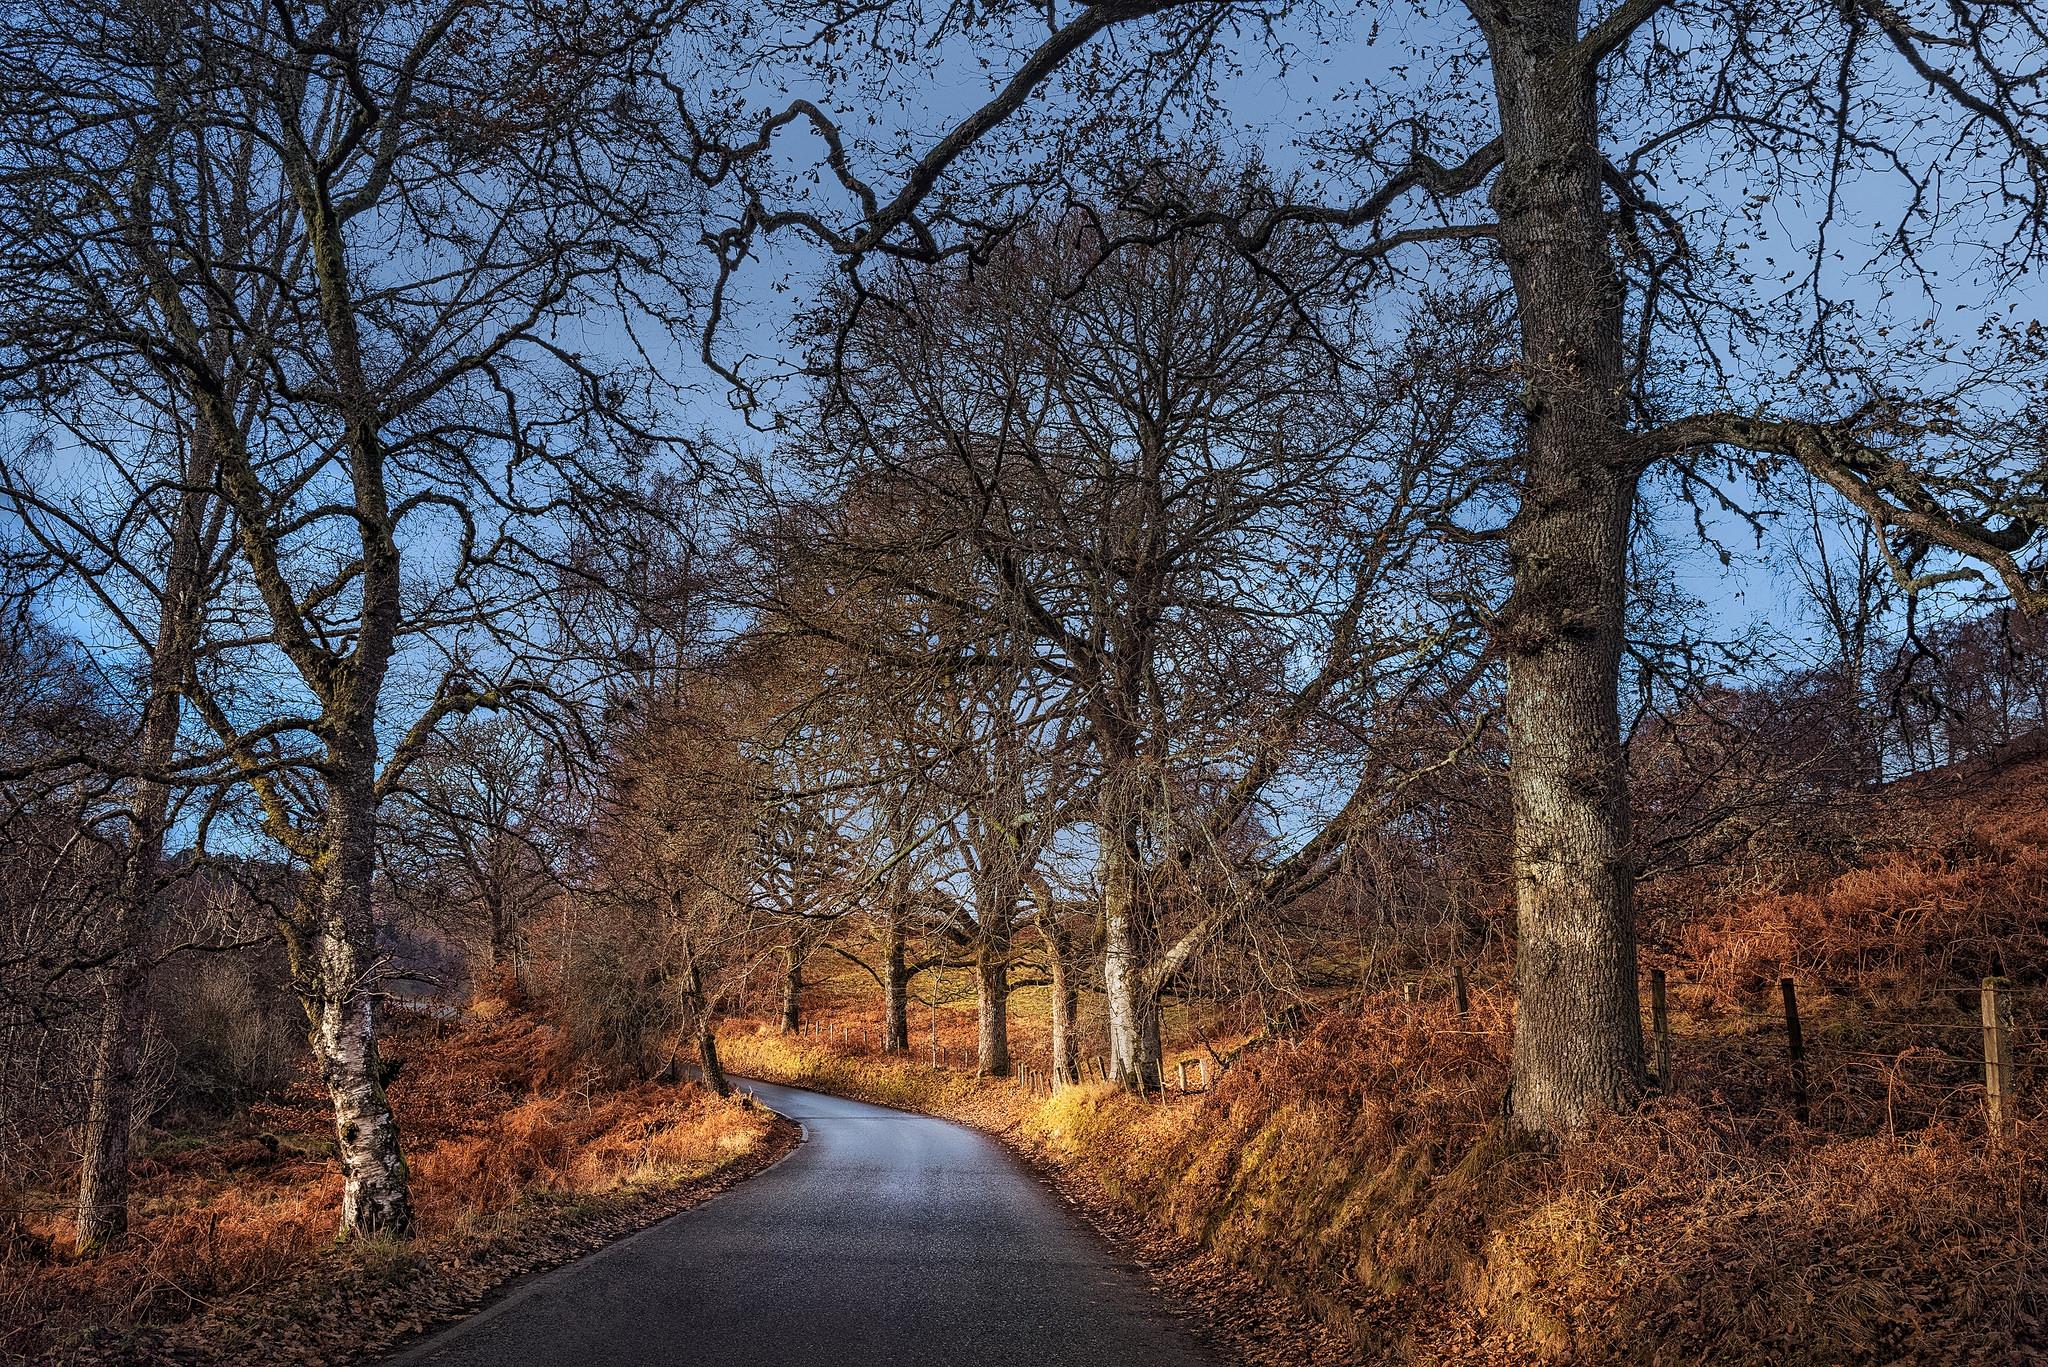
[{"x": 1291, "y": 96}]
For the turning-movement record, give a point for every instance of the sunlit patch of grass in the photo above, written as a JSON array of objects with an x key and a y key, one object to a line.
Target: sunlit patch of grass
[{"x": 890, "y": 1080}]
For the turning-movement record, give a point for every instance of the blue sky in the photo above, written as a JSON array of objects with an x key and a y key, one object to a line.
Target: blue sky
[{"x": 1289, "y": 115}]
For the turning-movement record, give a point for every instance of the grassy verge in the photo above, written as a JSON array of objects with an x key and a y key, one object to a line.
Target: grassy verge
[{"x": 1359, "y": 1172}]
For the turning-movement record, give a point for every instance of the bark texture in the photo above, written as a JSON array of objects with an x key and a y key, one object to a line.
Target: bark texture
[
  {"x": 1578, "y": 1035},
  {"x": 698, "y": 1017},
  {"x": 895, "y": 991},
  {"x": 992, "y": 1003},
  {"x": 1066, "y": 1002},
  {"x": 504, "y": 938},
  {"x": 707, "y": 1060},
  {"x": 110, "y": 1117},
  {"x": 792, "y": 991},
  {"x": 1133, "y": 1006},
  {"x": 336, "y": 972}
]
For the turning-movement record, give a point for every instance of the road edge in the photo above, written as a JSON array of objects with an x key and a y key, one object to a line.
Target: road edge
[
  {"x": 785, "y": 1139},
  {"x": 1244, "y": 1321}
]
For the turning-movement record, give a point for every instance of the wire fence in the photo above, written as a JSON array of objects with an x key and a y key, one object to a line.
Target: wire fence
[{"x": 1985, "y": 1055}]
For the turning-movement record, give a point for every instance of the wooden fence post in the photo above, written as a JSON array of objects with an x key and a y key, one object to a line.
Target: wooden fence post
[
  {"x": 1660, "y": 1025},
  {"x": 1998, "y": 1107},
  {"x": 1202, "y": 1071},
  {"x": 1798, "y": 1044},
  {"x": 1408, "y": 993},
  {"x": 1459, "y": 990}
]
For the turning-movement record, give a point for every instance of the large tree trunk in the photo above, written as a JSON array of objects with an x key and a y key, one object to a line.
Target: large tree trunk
[
  {"x": 792, "y": 989},
  {"x": 707, "y": 1058},
  {"x": 502, "y": 946},
  {"x": 110, "y": 1110},
  {"x": 697, "y": 1008},
  {"x": 992, "y": 1002},
  {"x": 1133, "y": 1007},
  {"x": 895, "y": 990},
  {"x": 335, "y": 963},
  {"x": 1578, "y": 1035},
  {"x": 996, "y": 888},
  {"x": 110, "y": 1117},
  {"x": 1066, "y": 995},
  {"x": 1066, "y": 1038}
]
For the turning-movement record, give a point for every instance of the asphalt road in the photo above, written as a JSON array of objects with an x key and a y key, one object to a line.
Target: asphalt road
[{"x": 884, "y": 1238}]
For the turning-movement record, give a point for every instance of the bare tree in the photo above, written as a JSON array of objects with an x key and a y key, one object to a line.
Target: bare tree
[
  {"x": 848, "y": 826},
  {"x": 1609, "y": 170},
  {"x": 1009, "y": 757},
  {"x": 149, "y": 552},
  {"x": 469, "y": 842},
  {"x": 1841, "y": 568},
  {"x": 1140, "y": 473},
  {"x": 394, "y": 271},
  {"x": 1062, "y": 929},
  {"x": 61, "y": 861}
]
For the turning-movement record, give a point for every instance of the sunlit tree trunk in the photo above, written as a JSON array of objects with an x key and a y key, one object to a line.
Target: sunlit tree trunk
[
  {"x": 697, "y": 1016},
  {"x": 992, "y": 1003},
  {"x": 895, "y": 988},
  {"x": 1066, "y": 995},
  {"x": 1578, "y": 1037},
  {"x": 707, "y": 1059},
  {"x": 997, "y": 886},
  {"x": 1133, "y": 1008},
  {"x": 1066, "y": 1036},
  {"x": 792, "y": 989},
  {"x": 337, "y": 977}
]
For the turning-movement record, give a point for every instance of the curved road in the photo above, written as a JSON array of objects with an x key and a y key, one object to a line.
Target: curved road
[{"x": 884, "y": 1238}]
